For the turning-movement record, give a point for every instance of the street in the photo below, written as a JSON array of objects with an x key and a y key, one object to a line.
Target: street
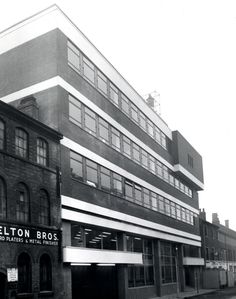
[{"x": 229, "y": 293}]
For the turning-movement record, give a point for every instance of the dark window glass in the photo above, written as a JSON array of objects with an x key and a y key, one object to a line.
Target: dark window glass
[
  {"x": 92, "y": 173},
  {"x": 3, "y": 200},
  {"x": 90, "y": 121},
  {"x": 75, "y": 111},
  {"x": 127, "y": 146},
  {"x": 136, "y": 153},
  {"x": 102, "y": 82},
  {"x": 22, "y": 203},
  {"x": 129, "y": 190},
  {"x": 144, "y": 156},
  {"x": 2, "y": 134},
  {"x": 45, "y": 273},
  {"x": 21, "y": 143},
  {"x": 103, "y": 130},
  {"x": 89, "y": 70},
  {"x": 134, "y": 113},
  {"x": 44, "y": 208},
  {"x": 73, "y": 57},
  {"x": 76, "y": 165},
  {"x": 124, "y": 104},
  {"x": 42, "y": 152},
  {"x": 115, "y": 139},
  {"x": 146, "y": 198},
  {"x": 105, "y": 179},
  {"x": 117, "y": 184},
  {"x": 24, "y": 273},
  {"x": 138, "y": 194},
  {"x": 114, "y": 95}
]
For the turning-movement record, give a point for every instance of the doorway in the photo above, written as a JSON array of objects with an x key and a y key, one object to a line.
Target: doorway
[
  {"x": 3, "y": 285},
  {"x": 94, "y": 282}
]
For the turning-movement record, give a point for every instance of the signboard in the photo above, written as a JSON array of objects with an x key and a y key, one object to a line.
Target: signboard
[
  {"x": 12, "y": 274},
  {"x": 28, "y": 235}
]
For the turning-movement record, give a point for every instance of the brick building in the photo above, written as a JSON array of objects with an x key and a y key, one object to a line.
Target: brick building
[
  {"x": 30, "y": 226},
  {"x": 130, "y": 185},
  {"x": 219, "y": 252}
]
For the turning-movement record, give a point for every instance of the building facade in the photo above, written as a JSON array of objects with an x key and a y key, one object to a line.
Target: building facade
[
  {"x": 219, "y": 252},
  {"x": 129, "y": 185},
  {"x": 30, "y": 225}
]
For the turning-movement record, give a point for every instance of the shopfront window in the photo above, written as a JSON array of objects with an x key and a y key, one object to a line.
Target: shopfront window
[{"x": 168, "y": 260}]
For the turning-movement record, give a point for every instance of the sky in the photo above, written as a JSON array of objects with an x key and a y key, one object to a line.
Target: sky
[{"x": 183, "y": 49}]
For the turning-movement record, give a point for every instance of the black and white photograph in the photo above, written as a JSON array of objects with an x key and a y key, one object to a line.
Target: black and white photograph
[{"x": 116, "y": 180}]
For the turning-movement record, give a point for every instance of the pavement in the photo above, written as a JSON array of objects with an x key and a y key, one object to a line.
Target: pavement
[{"x": 188, "y": 294}]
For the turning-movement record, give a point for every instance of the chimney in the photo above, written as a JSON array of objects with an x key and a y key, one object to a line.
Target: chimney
[
  {"x": 227, "y": 223},
  {"x": 29, "y": 106},
  {"x": 202, "y": 214},
  {"x": 215, "y": 218},
  {"x": 150, "y": 101}
]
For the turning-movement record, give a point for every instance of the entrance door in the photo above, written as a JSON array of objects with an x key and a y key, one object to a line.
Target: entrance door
[
  {"x": 3, "y": 283},
  {"x": 94, "y": 282}
]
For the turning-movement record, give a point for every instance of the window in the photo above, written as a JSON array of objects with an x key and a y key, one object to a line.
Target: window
[
  {"x": 144, "y": 157},
  {"x": 127, "y": 146},
  {"x": 73, "y": 57},
  {"x": 3, "y": 200},
  {"x": 168, "y": 266},
  {"x": 163, "y": 140},
  {"x": 114, "y": 95},
  {"x": 44, "y": 208},
  {"x": 2, "y": 134},
  {"x": 183, "y": 213},
  {"x": 21, "y": 143},
  {"x": 146, "y": 198},
  {"x": 207, "y": 253},
  {"x": 178, "y": 212},
  {"x": 129, "y": 190},
  {"x": 124, "y": 104},
  {"x": 142, "y": 121},
  {"x": 89, "y": 70},
  {"x": 22, "y": 203},
  {"x": 173, "y": 210},
  {"x": 103, "y": 130},
  {"x": 76, "y": 166},
  {"x": 90, "y": 121},
  {"x": 161, "y": 204},
  {"x": 136, "y": 153},
  {"x": 134, "y": 113},
  {"x": 171, "y": 180},
  {"x": 92, "y": 173},
  {"x": 45, "y": 273},
  {"x": 159, "y": 169},
  {"x": 117, "y": 184},
  {"x": 24, "y": 273},
  {"x": 140, "y": 275},
  {"x": 167, "y": 207},
  {"x": 115, "y": 139},
  {"x": 102, "y": 82},
  {"x": 138, "y": 194},
  {"x": 152, "y": 164},
  {"x": 75, "y": 111},
  {"x": 165, "y": 173},
  {"x": 150, "y": 128},
  {"x": 154, "y": 201},
  {"x": 105, "y": 179},
  {"x": 157, "y": 134},
  {"x": 42, "y": 152},
  {"x": 190, "y": 161}
]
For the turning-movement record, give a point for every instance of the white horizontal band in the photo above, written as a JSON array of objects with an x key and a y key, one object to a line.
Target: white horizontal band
[
  {"x": 98, "y": 159},
  {"x": 105, "y": 212},
  {"x": 85, "y": 255},
  {"x": 178, "y": 167}
]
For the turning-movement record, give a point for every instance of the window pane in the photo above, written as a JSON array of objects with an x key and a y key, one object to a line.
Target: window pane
[
  {"x": 114, "y": 94},
  {"x": 90, "y": 121},
  {"x": 167, "y": 207},
  {"x": 143, "y": 121},
  {"x": 161, "y": 204},
  {"x": 103, "y": 130},
  {"x": 154, "y": 201},
  {"x": 2, "y": 133},
  {"x": 44, "y": 212},
  {"x": 76, "y": 165},
  {"x": 115, "y": 139},
  {"x": 73, "y": 57},
  {"x": 144, "y": 158},
  {"x": 129, "y": 190},
  {"x": 150, "y": 128},
  {"x": 45, "y": 273},
  {"x": 75, "y": 111},
  {"x": 124, "y": 104},
  {"x": 163, "y": 140},
  {"x": 105, "y": 178},
  {"x": 117, "y": 184},
  {"x": 3, "y": 200},
  {"x": 146, "y": 198},
  {"x": 157, "y": 134},
  {"x": 89, "y": 70},
  {"x": 136, "y": 153},
  {"x": 159, "y": 169},
  {"x": 134, "y": 113},
  {"x": 127, "y": 146},
  {"x": 152, "y": 164},
  {"x": 102, "y": 82},
  {"x": 91, "y": 173},
  {"x": 21, "y": 143},
  {"x": 22, "y": 204},
  {"x": 138, "y": 194},
  {"x": 42, "y": 152}
]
